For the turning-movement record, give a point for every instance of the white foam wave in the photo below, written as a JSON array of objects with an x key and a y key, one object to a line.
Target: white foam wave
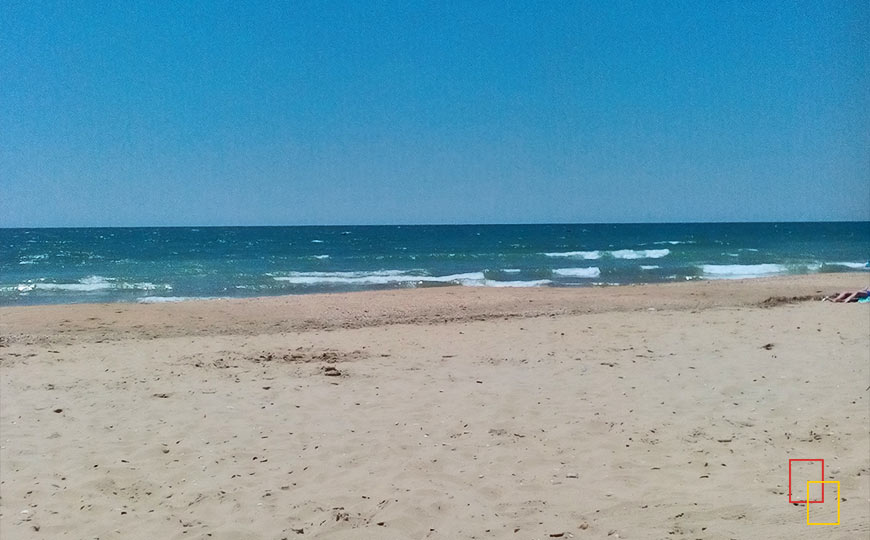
[
  {"x": 674, "y": 242},
  {"x": 383, "y": 277},
  {"x": 91, "y": 284},
  {"x": 20, "y": 288},
  {"x": 31, "y": 259},
  {"x": 640, "y": 253},
  {"x": 616, "y": 254},
  {"x": 88, "y": 284},
  {"x": 317, "y": 241},
  {"x": 494, "y": 283},
  {"x": 591, "y": 272},
  {"x": 511, "y": 270},
  {"x": 649, "y": 266},
  {"x": 77, "y": 287},
  {"x": 740, "y": 271},
  {"x": 588, "y": 255},
  {"x": 393, "y": 277},
  {"x": 320, "y": 256}
]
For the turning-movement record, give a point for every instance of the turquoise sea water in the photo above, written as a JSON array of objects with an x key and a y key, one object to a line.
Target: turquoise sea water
[{"x": 39, "y": 266}]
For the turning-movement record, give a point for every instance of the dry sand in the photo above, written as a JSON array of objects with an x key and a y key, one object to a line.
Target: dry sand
[{"x": 666, "y": 411}]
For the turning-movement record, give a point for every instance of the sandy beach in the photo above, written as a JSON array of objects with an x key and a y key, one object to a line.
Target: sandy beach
[{"x": 635, "y": 412}]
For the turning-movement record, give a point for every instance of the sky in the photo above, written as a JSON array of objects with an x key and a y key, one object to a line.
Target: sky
[{"x": 304, "y": 113}]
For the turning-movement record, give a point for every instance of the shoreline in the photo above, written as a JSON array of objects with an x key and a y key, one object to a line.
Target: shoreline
[{"x": 328, "y": 311}]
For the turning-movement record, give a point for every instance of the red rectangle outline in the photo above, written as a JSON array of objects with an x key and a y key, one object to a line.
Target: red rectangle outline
[{"x": 789, "y": 482}]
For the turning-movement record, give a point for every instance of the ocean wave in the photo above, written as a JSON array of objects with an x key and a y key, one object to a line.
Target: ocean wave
[
  {"x": 591, "y": 272},
  {"x": 20, "y": 288},
  {"x": 338, "y": 274},
  {"x": 382, "y": 277},
  {"x": 588, "y": 255},
  {"x": 740, "y": 271},
  {"x": 399, "y": 277},
  {"x": 649, "y": 266},
  {"x": 31, "y": 259},
  {"x": 317, "y": 241},
  {"x": 320, "y": 257},
  {"x": 530, "y": 283},
  {"x": 616, "y": 254},
  {"x": 88, "y": 284},
  {"x": 854, "y": 265},
  {"x": 91, "y": 284},
  {"x": 640, "y": 253},
  {"x": 674, "y": 242},
  {"x": 511, "y": 270}
]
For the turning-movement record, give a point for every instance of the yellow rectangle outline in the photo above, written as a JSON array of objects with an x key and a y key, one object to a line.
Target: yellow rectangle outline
[{"x": 838, "y": 499}]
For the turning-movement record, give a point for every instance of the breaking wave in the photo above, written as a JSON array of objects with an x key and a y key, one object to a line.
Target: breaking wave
[
  {"x": 640, "y": 253},
  {"x": 616, "y": 254},
  {"x": 588, "y": 255},
  {"x": 740, "y": 271},
  {"x": 88, "y": 284},
  {"x": 399, "y": 277},
  {"x": 591, "y": 272}
]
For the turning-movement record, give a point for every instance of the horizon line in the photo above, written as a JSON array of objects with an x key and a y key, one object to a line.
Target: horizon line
[{"x": 594, "y": 223}]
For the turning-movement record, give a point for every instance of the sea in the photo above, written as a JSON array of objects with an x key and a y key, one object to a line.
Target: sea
[{"x": 72, "y": 265}]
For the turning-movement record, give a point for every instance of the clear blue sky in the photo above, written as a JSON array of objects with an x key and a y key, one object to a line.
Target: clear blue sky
[{"x": 210, "y": 113}]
